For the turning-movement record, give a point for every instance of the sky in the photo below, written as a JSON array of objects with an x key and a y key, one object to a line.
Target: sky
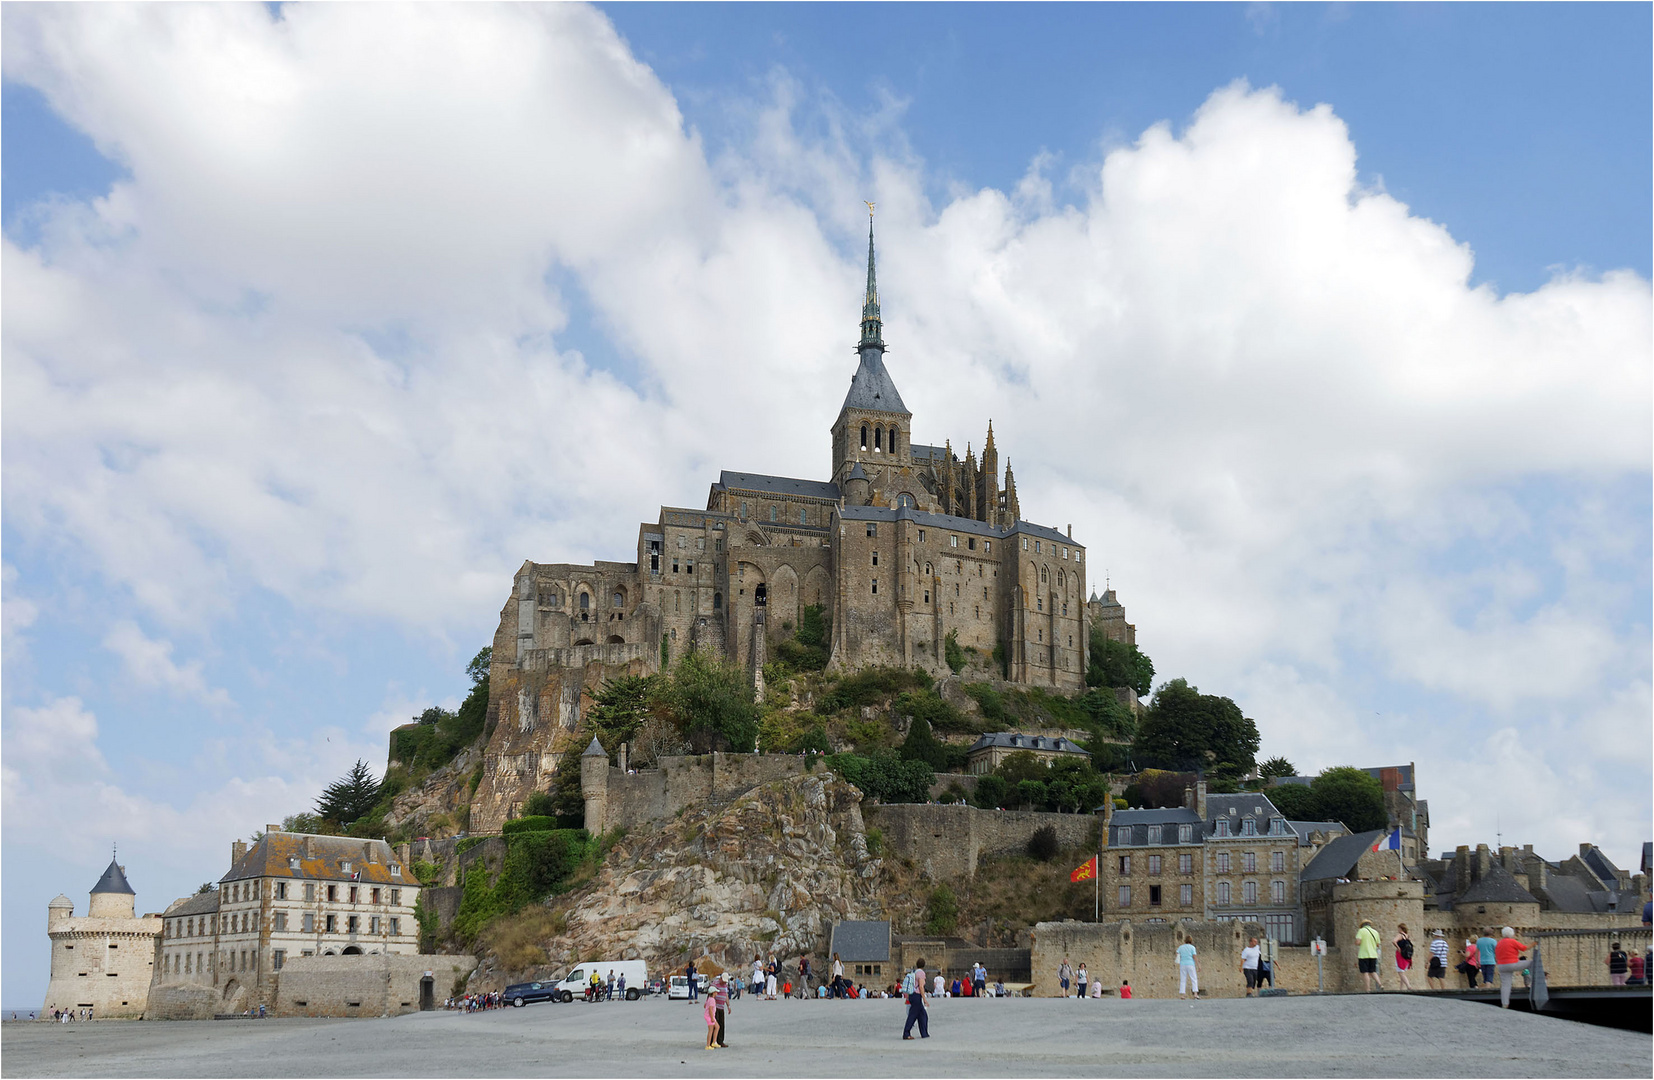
[{"x": 1326, "y": 327}]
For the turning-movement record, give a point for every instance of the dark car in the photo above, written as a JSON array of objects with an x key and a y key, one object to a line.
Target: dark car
[{"x": 520, "y": 994}]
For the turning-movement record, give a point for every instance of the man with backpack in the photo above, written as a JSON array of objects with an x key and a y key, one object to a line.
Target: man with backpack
[{"x": 913, "y": 989}]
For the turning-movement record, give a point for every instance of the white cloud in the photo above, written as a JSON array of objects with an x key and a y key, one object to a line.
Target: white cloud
[
  {"x": 310, "y": 348},
  {"x": 150, "y": 662}
]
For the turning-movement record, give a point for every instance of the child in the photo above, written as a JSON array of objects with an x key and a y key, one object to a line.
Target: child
[
  {"x": 711, "y": 1013},
  {"x": 1125, "y": 989}
]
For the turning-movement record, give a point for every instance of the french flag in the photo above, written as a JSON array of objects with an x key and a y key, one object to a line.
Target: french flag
[{"x": 1389, "y": 842}]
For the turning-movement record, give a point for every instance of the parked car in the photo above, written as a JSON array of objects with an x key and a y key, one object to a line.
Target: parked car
[
  {"x": 678, "y": 987},
  {"x": 520, "y": 994},
  {"x": 579, "y": 980}
]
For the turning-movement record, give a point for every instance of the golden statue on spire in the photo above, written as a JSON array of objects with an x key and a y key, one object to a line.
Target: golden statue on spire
[{"x": 869, "y": 209}]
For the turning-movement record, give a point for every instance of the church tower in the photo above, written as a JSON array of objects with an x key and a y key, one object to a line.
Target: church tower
[{"x": 873, "y": 428}]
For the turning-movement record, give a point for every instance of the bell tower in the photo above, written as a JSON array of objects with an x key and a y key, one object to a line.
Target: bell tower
[{"x": 874, "y": 426}]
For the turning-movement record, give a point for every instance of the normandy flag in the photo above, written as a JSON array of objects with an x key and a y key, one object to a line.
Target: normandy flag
[
  {"x": 1086, "y": 871},
  {"x": 1389, "y": 842}
]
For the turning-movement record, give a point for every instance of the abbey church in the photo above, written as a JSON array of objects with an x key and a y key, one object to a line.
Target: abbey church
[{"x": 902, "y": 545}]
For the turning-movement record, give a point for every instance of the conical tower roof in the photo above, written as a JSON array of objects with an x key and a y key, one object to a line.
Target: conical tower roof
[
  {"x": 113, "y": 881},
  {"x": 871, "y": 386},
  {"x": 595, "y": 749}
]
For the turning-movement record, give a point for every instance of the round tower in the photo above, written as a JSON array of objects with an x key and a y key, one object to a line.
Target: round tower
[
  {"x": 857, "y": 488},
  {"x": 594, "y": 785},
  {"x": 112, "y": 897},
  {"x": 59, "y": 909}
]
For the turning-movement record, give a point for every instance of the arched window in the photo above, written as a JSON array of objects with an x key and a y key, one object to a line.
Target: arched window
[
  {"x": 717, "y": 601},
  {"x": 878, "y": 439},
  {"x": 585, "y": 601},
  {"x": 893, "y": 440},
  {"x": 619, "y": 598},
  {"x": 864, "y": 436},
  {"x": 1045, "y": 573}
]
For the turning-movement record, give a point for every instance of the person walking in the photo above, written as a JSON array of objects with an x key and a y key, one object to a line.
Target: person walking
[
  {"x": 938, "y": 986},
  {"x": 720, "y": 1005},
  {"x": 771, "y": 970},
  {"x": 1619, "y": 964},
  {"x": 1366, "y": 955},
  {"x": 1403, "y": 942},
  {"x": 1509, "y": 960},
  {"x": 1249, "y": 964},
  {"x": 1486, "y": 948},
  {"x": 913, "y": 986},
  {"x": 1187, "y": 976},
  {"x": 1082, "y": 980},
  {"x": 1435, "y": 977},
  {"x": 803, "y": 976},
  {"x": 838, "y": 976},
  {"x": 1065, "y": 975},
  {"x": 1470, "y": 965}
]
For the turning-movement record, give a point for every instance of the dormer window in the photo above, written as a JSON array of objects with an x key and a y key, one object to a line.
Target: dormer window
[
  {"x": 1223, "y": 826},
  {"x": 1249, "y": 826},
  {"x": 1154, "y": 834},
  {"x": 345, "y": 867},
  {"x": 396, "y": 869},
  {"x": 292, "y": 862}
]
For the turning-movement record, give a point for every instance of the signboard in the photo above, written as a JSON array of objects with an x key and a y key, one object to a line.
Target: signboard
[{"x": 1318, "y": 947}]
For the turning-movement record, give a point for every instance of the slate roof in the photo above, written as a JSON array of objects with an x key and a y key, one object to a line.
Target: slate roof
[
  {"x": 954, "y": 524},
  {"x": 1497, "y": 886},
  {"x": 1016, "y": 740},
  {"x": 281, "y": 854},
  {"x": 871, "y": 387},
  {"x": 920, "y": 452},
  {"x": 1130, "y": 828},
  {"x": 113, "y": 881},
  {"x": 1602, "y": 866},
  {"x": 776, "y": 485},
  {"x": 595, "y": 749},
  {"x": 863, "y": 941},
  {"x": 1304, "y": 828},
  {"x": 200, "y": 904},
  {"x": 1568, "y": 893},
  {"x": 1338, "y": 858}
]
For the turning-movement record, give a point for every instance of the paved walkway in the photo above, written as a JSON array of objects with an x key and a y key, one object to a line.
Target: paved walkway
[{"x": 1383, "y": 1035}]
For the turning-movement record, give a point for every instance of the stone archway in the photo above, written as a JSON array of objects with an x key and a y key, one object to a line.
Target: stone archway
[{"x": 351, "y": 950}]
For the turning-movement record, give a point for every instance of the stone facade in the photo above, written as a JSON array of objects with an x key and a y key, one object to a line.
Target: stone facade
[
  {"x": 987, "y": 752},
  {"x": 629, "y": 798},
  {"x": 103, "y": 960},
  {"x": 947, "y": 841},
  {"x": 289, "y": 895},
  {"x": 378, "y": 985},
  {"x": 905, "y": 545}
]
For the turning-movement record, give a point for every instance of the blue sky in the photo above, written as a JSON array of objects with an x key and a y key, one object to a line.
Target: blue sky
[{"x": 1342, "y": 371}]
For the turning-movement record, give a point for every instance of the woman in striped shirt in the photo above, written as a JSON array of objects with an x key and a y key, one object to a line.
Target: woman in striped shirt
[{"x": 1436, "y": 975}]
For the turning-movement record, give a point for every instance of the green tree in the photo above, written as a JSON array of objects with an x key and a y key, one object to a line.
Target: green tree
[
  {"x": 350, "y": 797},
  {"x": 1276, "y": 766},
  {"x": 941, "y": 911},
  {"x": 620, "y": 707},
  {"x": 921, "y": 745},
  {"x": 1022, "y": 765},
  {"x": 1031, "y": 793},
  {"x": 477, "y": 669},
  {"x": 714, "y": 704},
  {"x": 812, "y": 626},
  {"x": 991, "y": 792},
  {"x": 1114, "y": 663},
  {"x": 432, "y": 716},
  {"x": 207, "y": 887},
  {"x": 952, "y": 654},
  {"x": 1352, "y": 796},
  {"x": 1185, "y": 729},
  {"x": 301, "y": 823},
  {"x": 540, "y": 804},
  {"x": 1296, "y": 802},
  {"x": 884, "y": 776}
]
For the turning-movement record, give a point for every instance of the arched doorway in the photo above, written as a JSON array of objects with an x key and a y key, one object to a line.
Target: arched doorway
[{"x": 351, "y": 950}]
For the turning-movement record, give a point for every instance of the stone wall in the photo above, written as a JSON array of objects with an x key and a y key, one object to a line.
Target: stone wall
[
  {"x": 649, "y": 795},
  {"x": 947, "y": 841},
  {"x": 1146, "y": 954},
  {"x": 366, "y": 985},
  {"x": 182, "y": 1001}
]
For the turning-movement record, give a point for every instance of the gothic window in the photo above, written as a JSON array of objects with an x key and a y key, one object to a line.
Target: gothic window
[
  {"x": 717, "y": 601},
  {"x": 619, "y": 598},
  {"x": 1045, "y": 574},
  {"x": 773, "y": 512},
  {"x": 904, "y": 499},
  {"x": 585, "y": 602},
  {"x": 803, "y": 516},
  {"x": 864, "y": 436},
  {"x": 878, "y": 440},
  {"x": 892, "y": 440}
]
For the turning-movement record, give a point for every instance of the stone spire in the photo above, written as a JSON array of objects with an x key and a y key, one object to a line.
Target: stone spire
[
  {"x": 988, "y": 499},
  {"x": 1013, "y": 511},
  {"x": 972, "y": 510},
  {"x": 947, "y": 478},
  {"x": 872, "y": 331}
]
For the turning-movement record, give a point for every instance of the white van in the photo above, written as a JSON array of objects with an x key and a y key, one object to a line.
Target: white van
[{"x": 579, "y": 979}]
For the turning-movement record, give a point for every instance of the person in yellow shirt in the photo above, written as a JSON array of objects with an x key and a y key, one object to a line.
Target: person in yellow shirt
[{"x": 1366, "y": 954}]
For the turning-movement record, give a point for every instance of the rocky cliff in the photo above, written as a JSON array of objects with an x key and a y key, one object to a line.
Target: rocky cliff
[{"x": 769, "y": 872}]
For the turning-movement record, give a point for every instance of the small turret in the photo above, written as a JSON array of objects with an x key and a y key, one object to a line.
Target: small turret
[
  {"x": 857, "y": 488},
  {"x": 112, "y": 897},
  {"x": 59, "y": 909},
  {"x": 594, "y": 785}
]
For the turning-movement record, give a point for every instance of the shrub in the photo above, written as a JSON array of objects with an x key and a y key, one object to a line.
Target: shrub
[
  {"x": 540, "y": 804},
  {"x": 536, "y": 823},
  {"x": 884, "y": 776},
  {"x": 991, "y": 792},
  {"x": 875, "y": 842},
  {"x": 941, "y": 911},
  {"x": 1043, "y": 844},
  {"x": 952, "y": 653},
  {"x": 987, "y": 699}
]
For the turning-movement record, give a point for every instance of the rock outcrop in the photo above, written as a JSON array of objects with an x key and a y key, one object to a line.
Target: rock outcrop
[{"x": 768, "y": 872}]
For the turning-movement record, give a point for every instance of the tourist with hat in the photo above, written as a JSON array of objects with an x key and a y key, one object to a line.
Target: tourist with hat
[{"x": 1436, "y": 975}]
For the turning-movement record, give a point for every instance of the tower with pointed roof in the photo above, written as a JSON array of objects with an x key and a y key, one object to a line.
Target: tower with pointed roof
[
  {"x": 102, "y": 961},
  {"x": 873, "y": 425}
]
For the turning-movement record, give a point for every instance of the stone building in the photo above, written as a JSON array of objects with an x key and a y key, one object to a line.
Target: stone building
[
  {"x": 1219, "y": 857},
  {"x": 289, "y": 895},
  {"x": 989, "y": 750},
  {"x": 902, "y": 547},
  {"x": 103, "y": 960}
]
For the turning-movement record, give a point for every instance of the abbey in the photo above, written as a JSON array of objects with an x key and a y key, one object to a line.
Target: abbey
[{"x": 901, "y": 546}]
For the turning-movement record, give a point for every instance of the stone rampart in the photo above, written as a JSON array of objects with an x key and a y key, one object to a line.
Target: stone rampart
[
  {"x": 182, "y": 1001},
  {"x": 381, "y": 985},
  {"x": 947, "y": 841},
  {"x": 1146, "y": 954},
  {"x": 649, "y": 795}
]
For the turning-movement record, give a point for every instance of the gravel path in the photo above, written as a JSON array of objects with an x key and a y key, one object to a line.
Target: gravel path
[{"x": 1382, "y": 1035}]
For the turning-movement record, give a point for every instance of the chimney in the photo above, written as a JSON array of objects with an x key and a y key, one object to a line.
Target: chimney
[
  {"x": 1484, "y": 860},
  {"x": 1461, "y": 868},
  {"x": 1071, "y": 532},
  {"x": 1189, "y": 796},
  {"x": 272, "y": 828},
  {"x": 1200, "y": 799},
  {"x": 304, "y": 849},
  {"x": 238, "y": 849}
]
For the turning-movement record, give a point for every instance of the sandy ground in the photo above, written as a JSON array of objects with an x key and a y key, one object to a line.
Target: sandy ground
[{"x": 1382, "y": 1035}]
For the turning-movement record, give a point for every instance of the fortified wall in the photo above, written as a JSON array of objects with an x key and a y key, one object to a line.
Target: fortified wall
[
  {"x": 947, "y": 841},
  {"x": 627, "y": 798},
  {"x": 380, "y": 985}
]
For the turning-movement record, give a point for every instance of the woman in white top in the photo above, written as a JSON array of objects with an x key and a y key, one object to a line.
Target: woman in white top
[
  {"x": 1083, "y": 980},
  {"x": 938, "y": 986},
  {"x": 1249, "y": 964}
]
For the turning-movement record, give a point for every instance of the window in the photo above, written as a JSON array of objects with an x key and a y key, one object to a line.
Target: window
[
  {"x": 1125, "y": 896},
  {"x": 1277, "y": 892},
  {"x": 281, "y": 890},
  {"x": 1154, "y": 896},
  {"x": 281, "y": 920},
  {"x": 309, "y": 890},
  {"x": 970, "y": 542},
  {"x": 396, "y": 925},
  {"x": 921, "y": 536},
  {"x": 875, "y": 558},
  {"x": 618, "y": 600},
  {"x": 1185, "y": 864},
  {"x": 1125, "y": 864},
  {"x": 872, "y": 528},
  {"x": 1277, "y": 862},
  {"x": 878, "y": 440},
  {"x": 1223, "y": 862},
  {"x": 987, "y": 546},
  {"x": 1277, "y": 826},
  {"x": 332, "y": 924},
  {"x": 1249, "y": 862},
  {"x": 773, "y": 512},
  {"x": 864, "y": 436},
  {"x": 1024, "y": 543},
  {"x": 1223, "y": 826},
  {"x": 373, "y": 924},
  {"x": 803, "y": 516},
  {"x": 353, "y": 894},
  {"x": 375, "y": 896},
  {"x": 953, "y": 541},
  {"x": 277, "y": 958},
  {"x": 717, "y": 601},
  {"x": 396, "y": 896},
  {"x": 743, "y": 510},
  {"x": 1185, "y": 895},
  {"x": 1249, "y": 892},
  {"x": 1154, "y": 834},
  {"x": 875, "y": 586},
  {"x": 332, "y": 893},
  {"x": 1249, "y": 827},
  {"x": 1154, "y": 864},
  {"x": 1185, "y": 833},
  {"x": 1223, "y": 892},
  {"x": 308, "y": 923},
  {"x": 1036, "y": 547}
]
